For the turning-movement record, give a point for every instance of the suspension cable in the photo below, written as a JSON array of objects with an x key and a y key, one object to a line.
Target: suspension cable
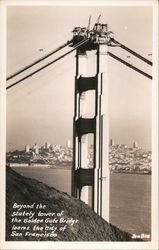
[
  {"x": 129, "y": 65},
  {"x": 132, "y": 52},
  {"x": 39, "y": 60},
  {"x": 52, "y": 62}
]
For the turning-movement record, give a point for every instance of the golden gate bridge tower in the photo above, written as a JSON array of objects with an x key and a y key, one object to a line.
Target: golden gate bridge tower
[{"x": 90, "y": 183}]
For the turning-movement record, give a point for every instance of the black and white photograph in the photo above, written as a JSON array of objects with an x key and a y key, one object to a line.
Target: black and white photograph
[{"x": 79, "y": 108}]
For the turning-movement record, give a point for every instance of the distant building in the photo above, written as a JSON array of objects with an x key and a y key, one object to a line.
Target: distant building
[
  {"x": 68, "y": 144},
  {"x": 27, "y": 148},
  {"x": 47, "y": 145},
  {"x": 35, "y": 149},
  {"x": 111, "y": 142},
  {"x": 50, "y": 148},
  {"x": 135, "y": 144}
]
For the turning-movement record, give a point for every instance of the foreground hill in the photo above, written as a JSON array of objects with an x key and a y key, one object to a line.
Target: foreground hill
[{"x": 79, "y": 222}]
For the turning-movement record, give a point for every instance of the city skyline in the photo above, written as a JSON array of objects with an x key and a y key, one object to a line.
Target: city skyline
[
  {"x": 121, "y": 158},
  {"x": 133, "y": 144},
  {"x": 41, "y": 108}
]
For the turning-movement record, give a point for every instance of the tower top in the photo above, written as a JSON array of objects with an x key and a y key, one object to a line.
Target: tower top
[{"x": 98, "y": 35}]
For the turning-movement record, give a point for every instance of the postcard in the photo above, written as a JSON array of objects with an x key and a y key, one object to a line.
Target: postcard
[{"x": 79, "y": 128}]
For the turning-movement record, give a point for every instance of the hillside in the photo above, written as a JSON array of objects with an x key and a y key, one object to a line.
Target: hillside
[{"x": 30, "y": 192}]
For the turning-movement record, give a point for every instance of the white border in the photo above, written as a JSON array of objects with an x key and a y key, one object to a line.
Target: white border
[
  {"x": 79, "y": 245},
  {"x": 2, "y": 117}
]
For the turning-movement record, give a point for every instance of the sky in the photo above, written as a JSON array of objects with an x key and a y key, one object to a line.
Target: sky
[{"x": 40, "y": 108}]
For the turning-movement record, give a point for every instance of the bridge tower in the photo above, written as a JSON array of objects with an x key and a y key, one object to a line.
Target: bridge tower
[{"x": 90, "y": 181}]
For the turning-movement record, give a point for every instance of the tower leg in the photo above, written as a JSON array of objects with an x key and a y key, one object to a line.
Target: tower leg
[
  {"x": 104, "y": 128},
  {"x": 94, "y": 190}
]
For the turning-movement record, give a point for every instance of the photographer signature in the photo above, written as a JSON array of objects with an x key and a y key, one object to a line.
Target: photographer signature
[{"x": 141, "y": 236}]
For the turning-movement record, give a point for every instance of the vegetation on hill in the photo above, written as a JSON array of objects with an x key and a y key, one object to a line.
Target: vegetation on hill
[{"x": 90, "y": 226}]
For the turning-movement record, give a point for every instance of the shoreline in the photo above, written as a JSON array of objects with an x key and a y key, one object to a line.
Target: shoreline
[{"x": 42, "y": 166}]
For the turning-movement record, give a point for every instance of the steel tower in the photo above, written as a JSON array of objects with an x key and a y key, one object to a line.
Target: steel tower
[{"x": 90, "y": 182}]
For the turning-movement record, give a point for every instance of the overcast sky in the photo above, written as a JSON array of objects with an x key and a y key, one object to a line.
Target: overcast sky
[{"x": 40, "y": 108}]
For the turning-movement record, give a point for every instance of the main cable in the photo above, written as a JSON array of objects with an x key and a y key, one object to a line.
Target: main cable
[
  {"x": 39, "y": 60},
  {"x": 57, "y": 59},
  {"x": 132, "y": 52},
  {"x": 129, "y": 65}
]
